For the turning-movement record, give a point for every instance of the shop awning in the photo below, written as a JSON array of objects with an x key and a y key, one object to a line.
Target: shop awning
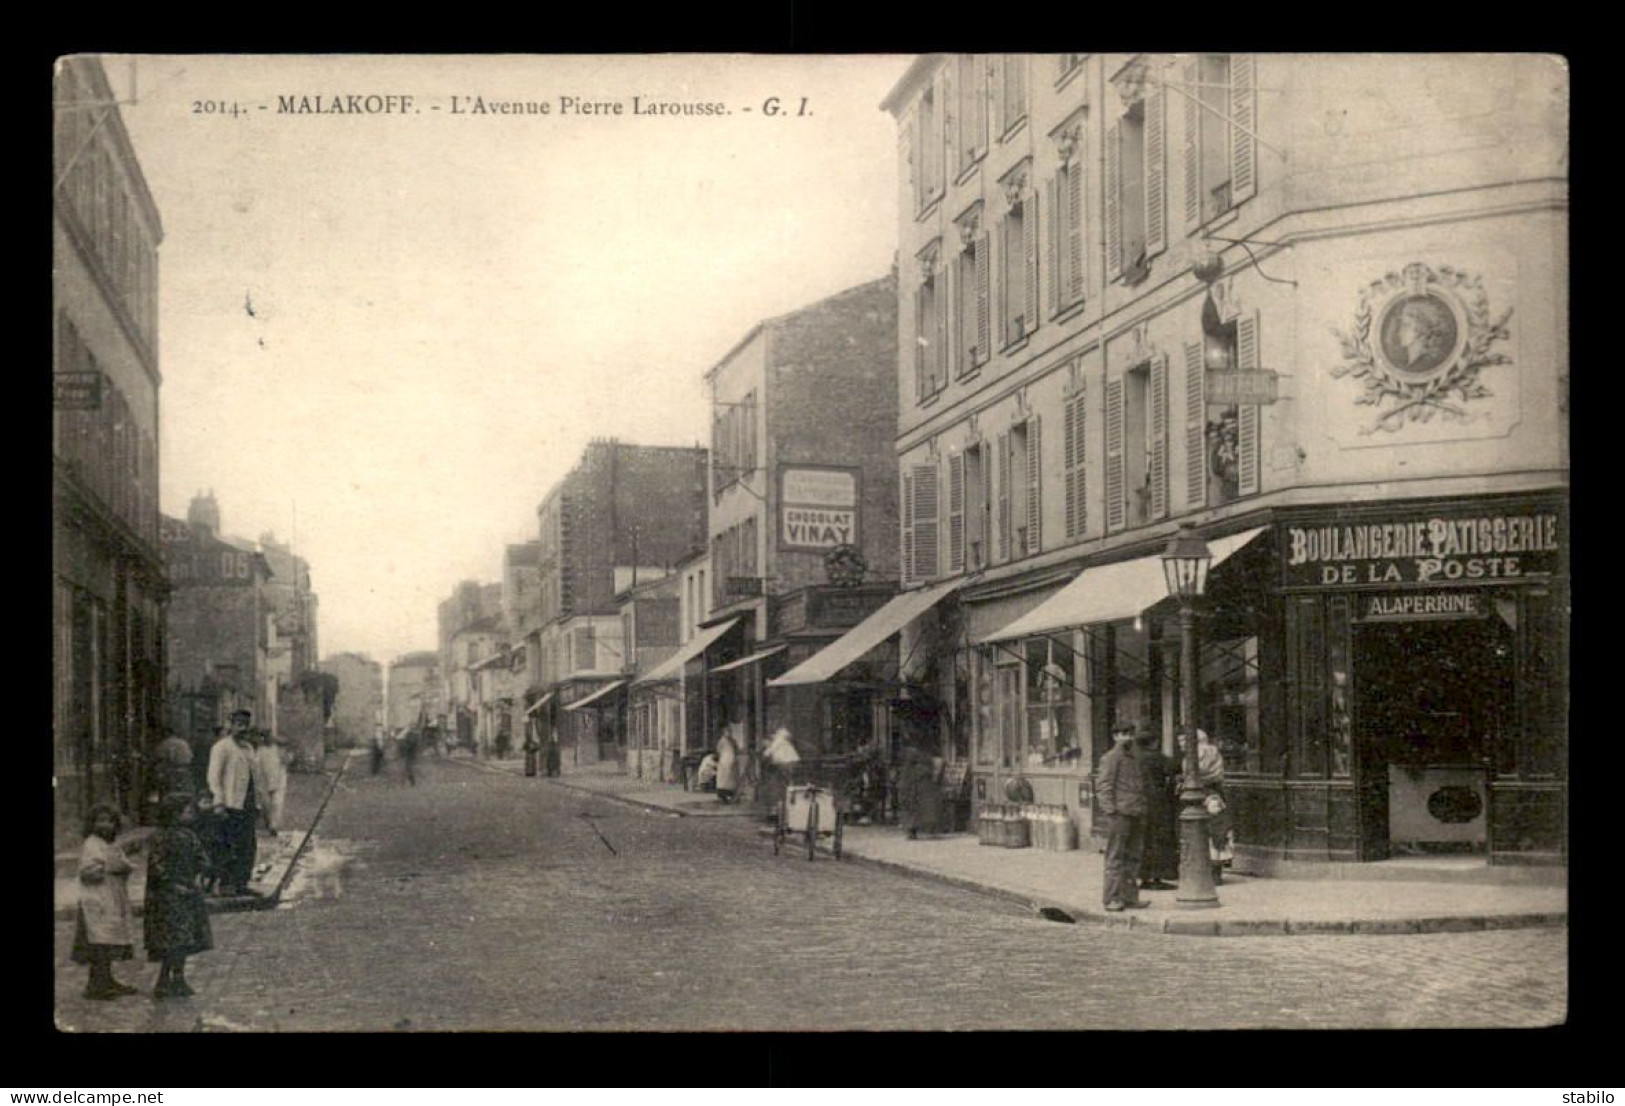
[
  {"x": 1109, "y": 593},
  {"x": 898, "y": 612},
  {"x": 752, "y": 659},
  {"x": 672, "y": 666},
  {"x": 595, "y": 696},
  {"x": 539, "y": 704}
]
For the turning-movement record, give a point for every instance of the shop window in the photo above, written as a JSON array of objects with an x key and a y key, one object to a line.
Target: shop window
[
  {"x": 1228, "y": 696},
  {"x": 964, "y": 709},
  {"x": 1541, "y": 685},
  {"x": 1009, "y": 695},
  {"x": 1135, "y": 696},
  {"x": 1339, "y": 717},
  {"x": 1051, "y": 703}
]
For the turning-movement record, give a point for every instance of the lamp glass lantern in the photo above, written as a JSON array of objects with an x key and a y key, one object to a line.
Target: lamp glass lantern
[{"x": 1185, "y": 563}]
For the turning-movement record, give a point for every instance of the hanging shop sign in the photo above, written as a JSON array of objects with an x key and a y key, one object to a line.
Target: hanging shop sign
[
  {"x": 1242, "y": 386},
  {"x": 818, "y": 506},
  {"x": 1443, "y": 546}
]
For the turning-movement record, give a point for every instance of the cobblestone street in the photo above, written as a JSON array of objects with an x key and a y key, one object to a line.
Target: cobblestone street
[{"x": 482, "y": 900}]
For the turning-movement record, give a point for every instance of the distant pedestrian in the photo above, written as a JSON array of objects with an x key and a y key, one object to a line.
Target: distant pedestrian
[
  {"x": 533, "y": 749},
  {"x": 1120, "y": 795},
  {"x": 705, "y": 778},
  {"x": 378, "y": 750},
  {"x": 504, "y": 744},
  {"x": 233, "y": 770},
  {"x": 552, "y": 756},
  {"x": 172, "y": 757},
  {"x": 175, "y": 922},
  {"x": 919, "y": 792},
  {"x": 272, "y": 756},
  {"x": 1161, "y": 864},
  {"x": 783, "y": 765},
  {"x": 104, "y": 926},
  {"x": 408, "y": 747},
  {"x": 730, "y": 767}
]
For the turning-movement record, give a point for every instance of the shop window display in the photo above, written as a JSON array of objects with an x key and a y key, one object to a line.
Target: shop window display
[
  {"x": 1229, "y": 698},
  {"x": 1051, "y": 710},
  {"x": 987, "y": 735}
]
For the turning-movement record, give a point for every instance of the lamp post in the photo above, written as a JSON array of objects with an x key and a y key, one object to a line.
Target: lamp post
[{"x": 1184, "y": 564}]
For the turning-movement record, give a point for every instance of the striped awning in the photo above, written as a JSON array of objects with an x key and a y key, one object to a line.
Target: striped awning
[{"x": 898, "y": 612}]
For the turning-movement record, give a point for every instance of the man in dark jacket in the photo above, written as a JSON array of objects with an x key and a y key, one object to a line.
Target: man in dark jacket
[
  {"x": 1159, "y": 868},
  {"x": 1120, "y": 793}
]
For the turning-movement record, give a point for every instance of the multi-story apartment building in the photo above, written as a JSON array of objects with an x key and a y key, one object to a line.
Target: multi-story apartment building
[
  {"x": 1313, "y": 307},
  {"x": 414, "y": 690},
  {"x": 625, "y": 514},
  {"x": 107, "y": 572},
  {"x": 358, "y": 710},
  {"x": 470, "y": 604},
  {"x": 803, "y": 511},
  {"x": 293, "y": 604},
  {"x": 218, "y": 627},
  {"x": 651, "y": 629}
]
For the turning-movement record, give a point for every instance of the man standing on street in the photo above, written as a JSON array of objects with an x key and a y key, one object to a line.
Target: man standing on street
[
  {"x": 232, "y": 772},
  {"x": 1120, "y": 794},
  {"x": 274, "y": 775}
]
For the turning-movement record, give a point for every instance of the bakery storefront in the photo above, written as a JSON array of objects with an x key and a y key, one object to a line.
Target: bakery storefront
[{"x": 1422, "y": 670}]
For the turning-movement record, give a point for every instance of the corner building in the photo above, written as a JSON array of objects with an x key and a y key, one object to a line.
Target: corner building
[{"x": 1093, "y": 250}]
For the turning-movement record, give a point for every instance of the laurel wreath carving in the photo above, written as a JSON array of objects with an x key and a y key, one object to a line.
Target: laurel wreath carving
[
  {"x": 845, "y": 566},
  {"x": 1447, "y": 394}
]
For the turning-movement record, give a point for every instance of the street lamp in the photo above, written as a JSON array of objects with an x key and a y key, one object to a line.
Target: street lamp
[{"x": 1184, "y": 564}]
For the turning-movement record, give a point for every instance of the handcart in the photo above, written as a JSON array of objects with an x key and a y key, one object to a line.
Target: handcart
[{"x": 809, "y": 810}]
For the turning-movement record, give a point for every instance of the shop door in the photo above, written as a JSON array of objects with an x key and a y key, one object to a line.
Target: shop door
[{"x": 1431, "y": 698}]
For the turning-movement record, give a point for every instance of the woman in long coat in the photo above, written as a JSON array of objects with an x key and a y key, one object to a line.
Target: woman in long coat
[
  {"x": 104, "y": 930},
  {"x": 1160, "y": 867},
  {"x": 919, "y": 793},
  {"x": 175, "y": 923}
]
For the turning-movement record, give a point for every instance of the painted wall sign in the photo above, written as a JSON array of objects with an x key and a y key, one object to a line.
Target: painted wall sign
[
  {"x": 1443, "y": 547},
  {"x": 76, "y": 391},
  {"x": 1422, "y": 606},
  {"x": 818, "y": 507}
]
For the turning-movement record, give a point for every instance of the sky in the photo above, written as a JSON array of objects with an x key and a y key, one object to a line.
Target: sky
[{"x": 446, "y": 307}]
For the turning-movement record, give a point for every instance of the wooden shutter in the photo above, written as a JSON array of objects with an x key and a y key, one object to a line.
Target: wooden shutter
[
  {"x": 1029, "y": 232},
  {"x": 965, "y": 309},
  {"x": 1195, "y": 426},
  {"x": 919, "y": 343},
  {"x": 1075, "y": 282},
  {"x": 980, "y": 120},
  {"x": 1244, "y": 122},
  {"x": 1074, "y": 451},
  {"x": 1159, "y": 437},
  {"x": 1156, "y": 175},
  {"x": 1052, "y": 241},
  {"x": 984, "y": 335},
  {"x": 1004, "y": 497},
  {"x": 1114, "y": 215},
  {"x": 939, "y": 301},
  {"x": 1193, "y": 146},
  {"x": 956, "y": 512},
  {"x": 1006, "y": 308},
  {"x": 1116, "y": 515},
  {"x": 1034, "y": 515},
  {"x": 907, "y": 528},
  {"x": 912, "y": 154},
  {"x": 925, "y": 521},
  {"x": 1248, "y": 413},
  {"x": 950, "y": 113}
]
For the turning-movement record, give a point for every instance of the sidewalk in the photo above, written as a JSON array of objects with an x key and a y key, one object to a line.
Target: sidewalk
[
  {"x": 606, "y": 780},
  {"x": 1071, "y": 881},
  {"x": 306, "y": 798}
]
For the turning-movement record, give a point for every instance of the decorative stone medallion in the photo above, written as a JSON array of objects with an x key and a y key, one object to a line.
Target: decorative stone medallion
[{"x": 1420, "y": 341}]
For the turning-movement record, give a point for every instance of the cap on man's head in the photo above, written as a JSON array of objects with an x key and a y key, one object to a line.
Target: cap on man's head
[{"x": 242, "y": 716}]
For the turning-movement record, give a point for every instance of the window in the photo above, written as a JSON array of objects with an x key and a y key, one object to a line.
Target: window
[
  {"x": 1220, "y": 121},
  {"x": 971, "y": 271},
  {"x": 970, "y": 118},
  {"x": 733, "y": 442},
  {"x": 1066, "y": 206},
  {"x": 1221, "y": 441},
  {"x": 1051, "y": 710},
  {"x": 1137, "y": 445},
  {"x": 978, "y": 507},
  {"x": 1018, "y": 262},
  {"x": 930, "y": 328},
  {"x": 1018, "y": 490},
  {"x": 982, "y": 679},
  {"x": 926, "y": 146},
  {"x": 1136, "y": 213},
  {"x": 1229, "y": 679},
  {"x": 1010, "y": 73},
  {"x": 1066, "y": 65}
]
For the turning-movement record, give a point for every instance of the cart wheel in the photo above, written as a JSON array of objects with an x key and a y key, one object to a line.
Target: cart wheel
[
  {"x": 812, "y": 829},
  {"x": 839, "y": 821}
]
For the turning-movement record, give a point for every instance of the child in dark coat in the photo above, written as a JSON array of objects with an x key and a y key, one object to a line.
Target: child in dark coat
[{"x": 176, "y": 920}]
